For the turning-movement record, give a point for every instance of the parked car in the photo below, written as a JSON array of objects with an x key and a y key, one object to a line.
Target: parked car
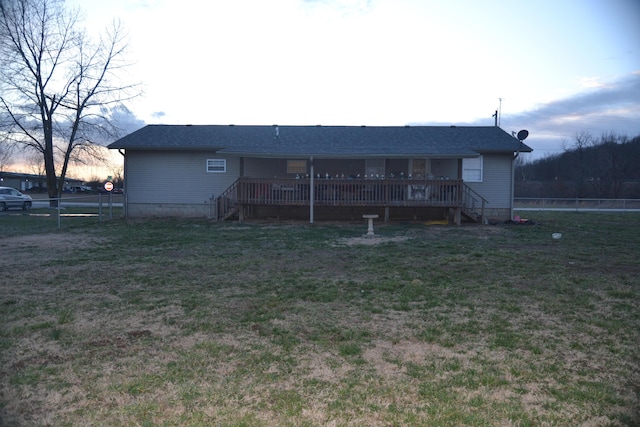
[{"x": 12, "y": 198}]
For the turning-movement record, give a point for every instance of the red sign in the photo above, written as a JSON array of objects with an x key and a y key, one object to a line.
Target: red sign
[{"x": 108, "y": 185}]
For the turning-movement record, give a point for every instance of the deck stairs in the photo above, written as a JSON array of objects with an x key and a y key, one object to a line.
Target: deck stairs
[
  {"x": 227, "y": 203},
  {"x": 473, "y": 205}
]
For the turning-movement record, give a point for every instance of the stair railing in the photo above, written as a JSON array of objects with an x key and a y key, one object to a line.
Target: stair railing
[
  {"x": 227, "y": 202},
  {"x": 471, "y": 200}
]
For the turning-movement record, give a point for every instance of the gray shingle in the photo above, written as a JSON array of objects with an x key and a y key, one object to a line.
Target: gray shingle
[{"x": 324, "y": 141}]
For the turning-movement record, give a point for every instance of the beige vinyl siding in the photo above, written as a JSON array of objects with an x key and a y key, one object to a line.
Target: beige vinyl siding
[
  {"x": 496, "y": 180},
  {"x": 175, "y": 177}
]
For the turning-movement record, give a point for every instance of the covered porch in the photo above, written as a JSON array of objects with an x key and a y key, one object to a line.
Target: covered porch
[{"x": 246, "y": 194}]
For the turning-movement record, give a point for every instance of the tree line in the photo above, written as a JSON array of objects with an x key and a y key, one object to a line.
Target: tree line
[{"x": 591, "y": 167}]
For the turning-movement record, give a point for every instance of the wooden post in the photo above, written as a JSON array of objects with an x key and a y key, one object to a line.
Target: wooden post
[
  {"x": 312, "y": 194},
  {"x": 240, "y": 213}
]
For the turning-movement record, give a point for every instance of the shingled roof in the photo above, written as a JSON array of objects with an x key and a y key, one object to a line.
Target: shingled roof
[{"x": 324, "y": 141}]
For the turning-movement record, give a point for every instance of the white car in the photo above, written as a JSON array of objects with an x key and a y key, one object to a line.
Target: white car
[{"x": 12, "y": 198}]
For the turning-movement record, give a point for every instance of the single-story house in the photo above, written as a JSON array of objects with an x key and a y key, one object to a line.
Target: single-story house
[
  {"x": 399, "y": 172},
  {"x": 33, "y": 182}
]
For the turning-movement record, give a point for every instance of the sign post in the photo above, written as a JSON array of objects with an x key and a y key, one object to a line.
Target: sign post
[{"x": 109, "y": 187}]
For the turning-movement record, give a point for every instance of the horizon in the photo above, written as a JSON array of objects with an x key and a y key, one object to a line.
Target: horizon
[{"x": 555, "y": 69}]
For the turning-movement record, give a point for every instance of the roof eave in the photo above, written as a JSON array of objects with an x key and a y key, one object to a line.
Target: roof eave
[
  {"x": 181, "y": 148},
  {"x": 350, "y": 156}
]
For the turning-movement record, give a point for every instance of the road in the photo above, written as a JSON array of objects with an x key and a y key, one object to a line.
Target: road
[{"x": 105, "y": 204}]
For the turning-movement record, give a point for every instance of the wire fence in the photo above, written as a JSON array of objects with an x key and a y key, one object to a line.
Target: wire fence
[
  {"x": 70, "y": 209},
  {"x": 80, "y": 209},
  {"x": 576, "y": 204}
]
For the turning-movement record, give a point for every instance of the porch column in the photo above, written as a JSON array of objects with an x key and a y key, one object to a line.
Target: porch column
[{"x": 311, "y": 191}]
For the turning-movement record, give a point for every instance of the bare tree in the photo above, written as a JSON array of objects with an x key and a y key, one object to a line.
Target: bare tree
[
  {"x": 5, "y": 151},
  {"x": 612, "y": 159},
  {"x": 118, "y": 177},
  {"x": 35, "y": 163},
  {"x": 57, "y": 85},
  {"x": 579, "y": 168}
]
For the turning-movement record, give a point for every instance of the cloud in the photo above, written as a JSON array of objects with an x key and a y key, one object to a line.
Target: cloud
[
  {"x": 610, "y": 107},
  {"x": 124, "y": 120},
  {"x": 623, "y": 94},
  {"x": 591, "y": 82},
  {"x": 342, "y": 7}
]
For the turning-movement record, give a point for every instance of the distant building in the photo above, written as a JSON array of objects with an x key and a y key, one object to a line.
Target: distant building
[{"x": 33, "y": 182}]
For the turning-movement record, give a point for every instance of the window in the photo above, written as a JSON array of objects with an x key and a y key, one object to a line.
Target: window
[
  {"x": 472, "y": 169},
  {"x": 297, "y": 166},
  {"x": 216, "y": 165},
  {"x": 419, "y": 168},
  {"x": 374, "y": 167}
]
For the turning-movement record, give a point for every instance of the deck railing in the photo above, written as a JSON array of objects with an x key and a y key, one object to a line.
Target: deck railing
[{"x": 350, "y": 192}]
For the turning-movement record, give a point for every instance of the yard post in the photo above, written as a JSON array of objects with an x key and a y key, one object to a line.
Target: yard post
[
  {"x": 311, "y": 191},
  {"x": 59, "y": 204}
]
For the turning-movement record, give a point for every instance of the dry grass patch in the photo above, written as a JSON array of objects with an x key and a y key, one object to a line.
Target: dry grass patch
[{"x": 315, "y": 325}]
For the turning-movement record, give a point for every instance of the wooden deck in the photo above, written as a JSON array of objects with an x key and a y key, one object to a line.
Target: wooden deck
[{"x": 350, "y": 193}]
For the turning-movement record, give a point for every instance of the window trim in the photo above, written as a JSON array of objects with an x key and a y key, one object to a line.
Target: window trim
[
  {"x": 216, "y": 165},
  {"x": 472, "y": 171}
]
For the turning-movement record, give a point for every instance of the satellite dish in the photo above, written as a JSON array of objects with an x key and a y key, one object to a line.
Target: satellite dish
[{"x": 523, "y": 134}]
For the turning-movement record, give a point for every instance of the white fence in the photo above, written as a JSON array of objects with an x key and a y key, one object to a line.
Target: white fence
[{"x": 576, "y": 204}]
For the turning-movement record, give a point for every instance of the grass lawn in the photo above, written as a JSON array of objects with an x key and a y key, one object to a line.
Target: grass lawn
[{"x": 167, "y": 323}]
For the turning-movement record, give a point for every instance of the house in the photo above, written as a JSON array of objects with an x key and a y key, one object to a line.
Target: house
[
  {"x": 229, "y": 171},
  {"x": 33, "y": 182}
]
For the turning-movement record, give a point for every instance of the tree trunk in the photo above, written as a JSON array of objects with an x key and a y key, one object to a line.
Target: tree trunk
[{"x": 50, "y": 167}]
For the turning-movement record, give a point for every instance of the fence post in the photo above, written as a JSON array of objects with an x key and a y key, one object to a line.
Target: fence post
[
  {"x": 213, "y": 208},
  {"x": 59, "y": 205},
  {"x": 110, "y": 206}
]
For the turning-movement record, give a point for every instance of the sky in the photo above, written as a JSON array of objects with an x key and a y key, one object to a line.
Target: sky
[{"x": 554, "y": 67}]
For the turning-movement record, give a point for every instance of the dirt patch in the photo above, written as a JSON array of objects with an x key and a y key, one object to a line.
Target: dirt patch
[{"x": 370, "y": 241}]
